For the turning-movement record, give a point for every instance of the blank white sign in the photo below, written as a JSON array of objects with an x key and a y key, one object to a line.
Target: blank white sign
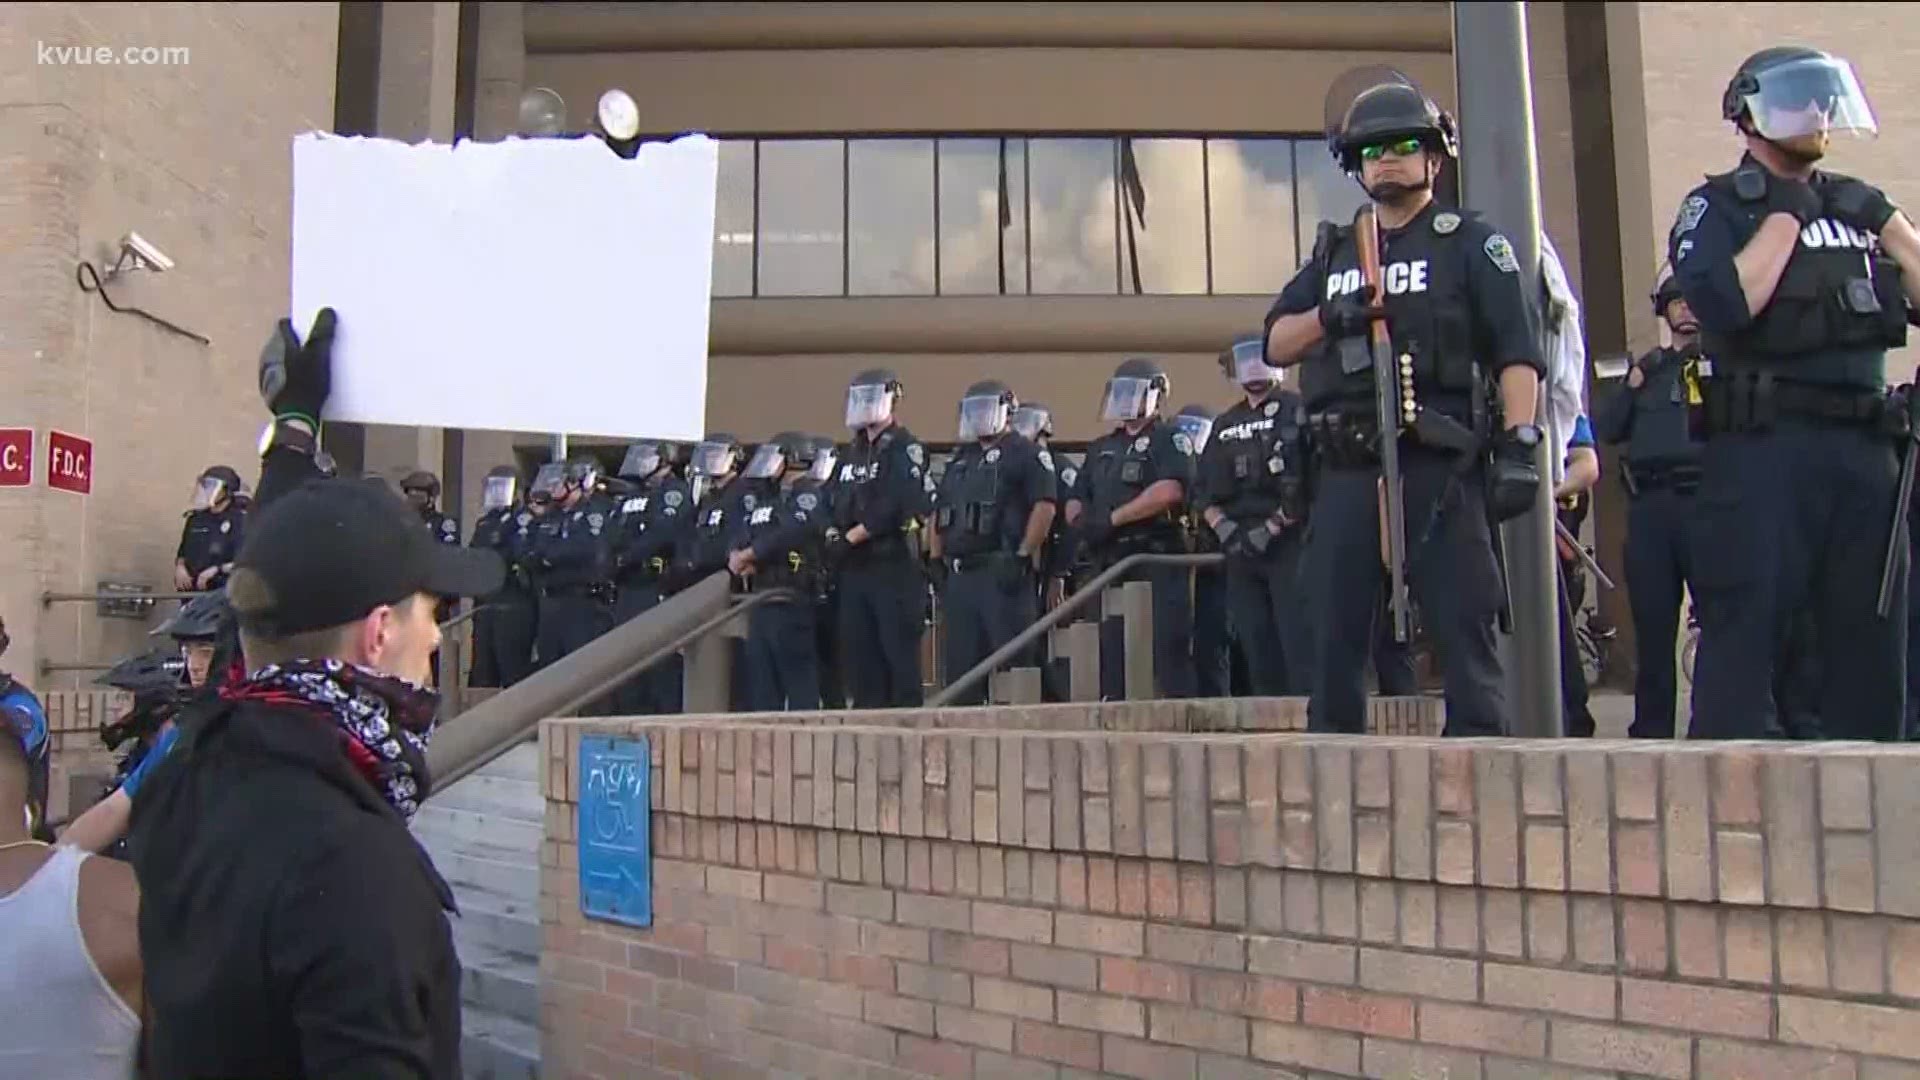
[{"x": 540, "y": 285}]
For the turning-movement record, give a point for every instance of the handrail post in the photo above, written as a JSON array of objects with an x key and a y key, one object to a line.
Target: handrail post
[
  {"x": 1136, "y": 620},
  {"x": 708, "y": 678},
  {"x": 1080, "y": 643}
]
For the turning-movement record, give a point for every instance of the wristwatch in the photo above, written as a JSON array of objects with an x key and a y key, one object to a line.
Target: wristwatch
[
  {"x": 288, "y": 435},
  {"x": 1527, "y": 435}
]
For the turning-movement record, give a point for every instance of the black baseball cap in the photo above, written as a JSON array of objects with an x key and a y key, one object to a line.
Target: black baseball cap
[{"x": 330, "y": 551}]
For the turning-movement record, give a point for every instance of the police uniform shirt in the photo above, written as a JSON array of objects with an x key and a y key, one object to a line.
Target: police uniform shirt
[
  {"x": 718, "y": 521},
  {"x": 211, "y": 538},
  {"x": 1254, "y": 458},
  {"x": 1454, "y": 297},
  {"x": 573, "y": 545},
  {"x": 1651, "y": 421},
  {"x": 444, "y": 529},
  {"x": 1119, "y": 467},
  {"x": 989, "y": 492},
  {"x": 1812, "y": 310},
  {"x": 787, "y": 522},
  {"x": 646, "y": 525},
  {"x": 883, "y": 484}
]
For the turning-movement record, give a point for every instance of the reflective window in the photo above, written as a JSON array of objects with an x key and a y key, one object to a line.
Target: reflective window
[
  {"x": 983, "y": 216},
  {"x": 1163, "y": 216},
  {"x": 1073, "y": 215},
  {"x": 733, "y": 222},
  {"x": 1250, "y": 214},
  {"x": 890, "y": 217},
  {"x": 802, "y": 200},
  {"x": 1324, "y": 192}
]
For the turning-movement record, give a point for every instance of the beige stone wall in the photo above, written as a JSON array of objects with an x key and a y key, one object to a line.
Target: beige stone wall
[
  {"x": 1690, "y": 50},
  {"x": 194, "y": 156}
]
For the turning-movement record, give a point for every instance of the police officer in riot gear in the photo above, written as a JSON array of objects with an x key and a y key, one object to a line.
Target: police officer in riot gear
[
  {"x": 504, "y": 626},
  {"x": 1253, "y": 501},
  {"x": 1457, "y": 312},
  {"x": 1801, "y": 280},
  {"x": 1213, "y": 653},
  {"x": 992, "y": 512},
  {"x": 571, "y": 561},
  {"x": 721, "y": 506},
  {"x": 211, "y": 536},
  {"x": 1649, "y": 419},
  {"x": 779, "y": 546},
  {"x": 650, "y": 522},
  {"x": 1129, "y": 500},
  {"x": 879, "y": 502},
  {"x": 1034, "y": 422},
  {"x": 819, "y": 481},
  {"x": 422, "y": 490}
]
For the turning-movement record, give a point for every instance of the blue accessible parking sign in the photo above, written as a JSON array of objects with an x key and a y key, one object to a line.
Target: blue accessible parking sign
[{"x": 616, "y": 880}]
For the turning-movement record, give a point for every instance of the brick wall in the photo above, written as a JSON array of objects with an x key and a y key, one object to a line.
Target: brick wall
[{"x": 875, "y": 903}]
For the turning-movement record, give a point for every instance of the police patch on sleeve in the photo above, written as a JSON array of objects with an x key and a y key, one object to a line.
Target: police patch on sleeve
[
  {"x": 1501, "y": 252},
  {"x": 1182, "y": 443},
  {"x": 1069, "y": 476},
  {"x": 1046, "y": 461},
  {"x": 1691, "y": 212},
  {"x": 916, "y": 454}
]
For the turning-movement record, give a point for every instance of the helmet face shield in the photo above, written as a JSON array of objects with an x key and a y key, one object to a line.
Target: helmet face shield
[
  {"x": 824, "y": 460},
  {"x": 769, "y": 461},
  {"x": 1195, "y": 428},
  {"x": 207, "y": 491},
  {"x": 712, "y": 459},
  {"x": 982, "y": 417},
  {"x": 496, "y": 493},
  {"x": 1250, "y": 364},
  {"x": 642, "y": 461},
  {"x": 868, "y": 405},
  {"x": 1128, "y": 399},
  {"x": 1031, "y": 422},
  {"x": 549, "y": 482},
  {"x": 1809, "y": 96}
]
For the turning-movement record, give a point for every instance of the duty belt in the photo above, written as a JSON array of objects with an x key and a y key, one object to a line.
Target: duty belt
[
  {"x": 962, "y": 564},
  {"x": 1350, "y": 439},
  {"x": 1681, "y": 478},
  {"x": 1746, "y": 402}
]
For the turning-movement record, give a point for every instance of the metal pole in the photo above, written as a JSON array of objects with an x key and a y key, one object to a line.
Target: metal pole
[
  {"x": 1501, "y": 179},
  {"x": 560, "y": 447}
]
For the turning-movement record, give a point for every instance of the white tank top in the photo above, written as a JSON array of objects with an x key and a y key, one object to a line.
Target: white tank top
[{"x": 58, "y": 1015}]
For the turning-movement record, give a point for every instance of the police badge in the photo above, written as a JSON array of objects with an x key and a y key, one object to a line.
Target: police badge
[
  {"x": 1445, "y": 223},
  {"x": 1140, "y": 444},
  {"x": 1272, "y": 407},
  {"x": 1046, "y": 461},
  {"x": 226, "y": 526},
  {"x": 916, "y": 454},
  {"x": 993, "y": 455},
  {"x": 1069, "y": 476},
  {"x": 594, "y": 522},
  {"x": 673, "y": 498},
  {"x": 747, "y": 501},
  {"x": 1182, "y": 443},
  {"x": 808, "y": 500}
]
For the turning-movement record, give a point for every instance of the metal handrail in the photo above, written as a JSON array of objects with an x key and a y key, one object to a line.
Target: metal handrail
[
  {"x": 466, "y": 744},
  {"x": 48, "y": 599},
  {"x": 1081, "y": 597}
]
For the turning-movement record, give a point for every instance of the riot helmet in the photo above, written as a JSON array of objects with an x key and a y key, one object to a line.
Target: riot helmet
[
  {"x": 1195, "y": 422},
  {"x": 1245, "y": 362},
  {"x": 643, "y": 460},
  {"x": 985, "y": 409},
  {"x": 216, "y": 483},
  {"x": 771, "y": 459},
  {"x": 825, "y": 456},
  {"x": 1032, "y": 420},
  {"x": 498, "y": 489},
  {"x": 1135, "y": 391},
  {"x": 717, "y": 455},
  {"x": 871, "y": 397},
  {"x": 1790, "y": 90},
  {"x": 1374, "y": 107},
  {"x": 1664, "y": 294},
  {"x": 421, "y": 488},
  {"x": 583, "y": 473},
  {"x": 548, "y": 483}
]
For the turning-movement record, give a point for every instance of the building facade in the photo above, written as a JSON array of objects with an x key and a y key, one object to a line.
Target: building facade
[{"x": 955, "y": 191}]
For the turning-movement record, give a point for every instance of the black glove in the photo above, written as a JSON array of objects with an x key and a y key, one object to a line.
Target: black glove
[
  {"x": 1011, "y": 572},
  {"x": 1225, "y": 530},
  {"x": 1348, "y": 315},
  {"x": 295, "y": 378},
  {"x": 1096, "y": 526},
  {"x": 835, "y": 550},
  {"x": 1793, "y": 197},
  {"x": 1858, "y": 204},
  {"x": 1512, "y": 480}
]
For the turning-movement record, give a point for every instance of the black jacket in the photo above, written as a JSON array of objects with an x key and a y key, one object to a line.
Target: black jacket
[{"x": 290, "y": 924}]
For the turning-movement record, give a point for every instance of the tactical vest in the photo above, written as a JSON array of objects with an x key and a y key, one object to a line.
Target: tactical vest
[
  {"x": 1118, "y": 468},
  {"x": 969, "y": 517},
  {"x": 1839, "y": 297},
  {"x": 1262, "y": 461},
  {"x": 1429, "y": 314},
  {"x": 1660, "y": 433}
]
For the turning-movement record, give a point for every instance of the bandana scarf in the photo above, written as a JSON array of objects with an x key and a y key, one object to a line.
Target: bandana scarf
[{"x": 384, "y": 721}]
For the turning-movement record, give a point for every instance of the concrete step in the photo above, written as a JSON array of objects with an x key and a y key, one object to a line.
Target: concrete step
[
  {"x": 501, "y": 871},
  {"x": 493, "y": 921},
  {"x": 520, "y": 763},
  {"x": 505, "y": 796},
  {"x": 495, "y": 1047},
  {"x": 500, "y": 983},
  {"x": 475, "y": 827}
]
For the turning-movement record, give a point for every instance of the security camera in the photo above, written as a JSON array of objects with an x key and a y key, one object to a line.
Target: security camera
[{"x": 139, "y": 253}]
